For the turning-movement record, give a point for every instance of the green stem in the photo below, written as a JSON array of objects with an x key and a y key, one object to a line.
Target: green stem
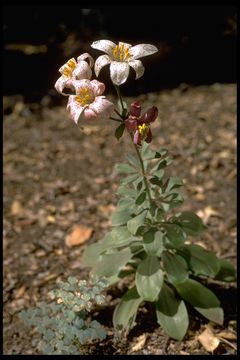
[
  {"x": 120, "y": 97},
  {"x": 144, "y": 175}
]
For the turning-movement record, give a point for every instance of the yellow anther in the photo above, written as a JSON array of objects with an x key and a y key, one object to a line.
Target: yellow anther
[
  {"x": 85, "y": 96},
  {"x": 121, "y": 52},
  {"x": 71, "y": 63},
  {"x": 69, "y": 67},
  {"x": 143, "y": 130}
]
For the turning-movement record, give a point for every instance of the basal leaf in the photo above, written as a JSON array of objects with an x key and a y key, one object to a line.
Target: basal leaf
[
  {"x": 175, "y": 266},
  {"x": 197, "y": 294},
  {"x": 172, "y": 314},
  {"x": 214, "y": 314},
  {"x": 201, "y": 261},
  {"x": 149, "y": 278},
  {"x": 226, "y": 272},
  {"x": 125, "y": 312}
]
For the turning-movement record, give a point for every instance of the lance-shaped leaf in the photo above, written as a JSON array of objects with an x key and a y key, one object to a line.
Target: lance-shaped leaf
[
  {"x": 133, "y": 161},
  {"x": 137, "y": 222},
  {"x": 172, "y": 314},
  {"x": 197, "y": 294},
  {"x": 110, "y": 264},
  {"x": 201, "y": 261},
  {"x": 153, "y": 242},
  {"x": 125, "y": 312},
  {"x": 141, "y": 198},
  {"x": 129, "y": 179},
  {"x": 119, "y": 131},
  {"x": 125, "y": 168},
  {"x": 214, "y": 314},
  {"x": 149, "y": 278},
  {"x": 172, "y": 183},
  {"x": 190, "y": 222},
  {"x": 175, "y": 266}
]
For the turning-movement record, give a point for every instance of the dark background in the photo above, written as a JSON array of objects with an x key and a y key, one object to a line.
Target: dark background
[{"x": 197, "y": 44}]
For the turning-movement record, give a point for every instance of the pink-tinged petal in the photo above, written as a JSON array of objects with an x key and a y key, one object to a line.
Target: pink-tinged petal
[
  {"x": 74, "y": 108},
  {"x": 119, "y": 72},
  {"x": 149, "y": 136},
  {"x": 138, "y": 67},
  {"x": 100, "y": 63},
  {"x": 102, "y": 107},
  {"x": 82, "y": 71},
  {"x": 86, "y": 56},
  {"x": 137, "y": 138},
  {"x": 149, "y": 116},
  {"x": 79, "y": 84},
  {"x": 124, "y": 44},
  {"x": 98, "y": 87},
  {"x": 89, "y": 114},
  {"x": 64, "y": 66},
  {"x": 141, "y": 50},
  {"x": 63, "y": 82},
  {"x": 106, "y": 46},
  {"x": 131, "y": 124},
  {"x": 135, "y": 109}
]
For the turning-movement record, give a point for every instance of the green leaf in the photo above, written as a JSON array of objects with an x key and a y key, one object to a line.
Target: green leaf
[
  {"x": 110, "y": 264},
  {"x": 125, "y": 169},
  {"x": 119, "y": 131},
  {"x": 133, "y": 160},
  {"x": 137, "y": 222},
  {"x": 146, "y": 153},
  {"x": 120, "y": 217},
  {"x": 158, "y": 173},
  {"x": 214, "y": 314},
  {"x": 175, "y": 234},
  {"x": 153, "y": 242},
  {"x": 175, "y": 266},
  {"x": 141, "y": 198},
  {"x": 149, "y": 278},
  {"x": 197, "y": 294},
  {"x": 129, "y": 179},
  {"x": 126, "y": 191},
  {"x": 201, "y": 261},
  {"x": 122, "y": 237},
  {"x": 172, "y": 183},
  {"x": 125, "y": 312},
  {"x": 172, "y": 314},
  {"x": 93, "y": 251},
  {"x": 226, "y": 272},
  {"x": 190, "y": 222}
]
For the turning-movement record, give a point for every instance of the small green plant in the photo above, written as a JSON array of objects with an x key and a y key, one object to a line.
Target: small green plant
[
  {"x": 148, "y": 236},
  {"x": 62, "y": 323}
]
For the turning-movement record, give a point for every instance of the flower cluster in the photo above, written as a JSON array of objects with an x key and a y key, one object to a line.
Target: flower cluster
[{"x": 87, "y": 101}]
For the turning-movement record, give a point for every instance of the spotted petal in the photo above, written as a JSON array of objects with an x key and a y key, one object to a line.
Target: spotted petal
[
  {"x": 102, "y": 107},
  {"x": 98, "y": 87},
  {"x": 106, "y": 46},
  {"x": 74, "y": 108},
  {"x": 119, "y": 72},
  {"x": 101, "y": 62},
  {"x": 82, "y": 71},
  {"x": 138, "y": 67},
  {"x": 142, "y": 50},
  {"x": 84, "y": 57},
  {"x": 63, "y": 82}
]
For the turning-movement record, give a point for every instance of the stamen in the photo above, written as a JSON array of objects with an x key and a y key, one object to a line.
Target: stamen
[
  {"x": 85, "y": 96},
  {"x": 121, "y": 52},
  {"x": 143, "y": 130}
]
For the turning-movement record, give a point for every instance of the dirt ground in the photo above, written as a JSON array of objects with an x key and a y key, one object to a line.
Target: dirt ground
[{"x": 57, "y": 176}]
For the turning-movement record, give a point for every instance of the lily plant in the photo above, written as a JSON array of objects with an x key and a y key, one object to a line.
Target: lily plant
[{"x": 148, "y": 239}]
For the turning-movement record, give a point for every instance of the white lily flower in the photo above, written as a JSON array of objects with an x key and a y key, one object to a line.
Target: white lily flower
[
  {"x": 120, "y": 57},
  {"x": 73, "y": 70}
]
